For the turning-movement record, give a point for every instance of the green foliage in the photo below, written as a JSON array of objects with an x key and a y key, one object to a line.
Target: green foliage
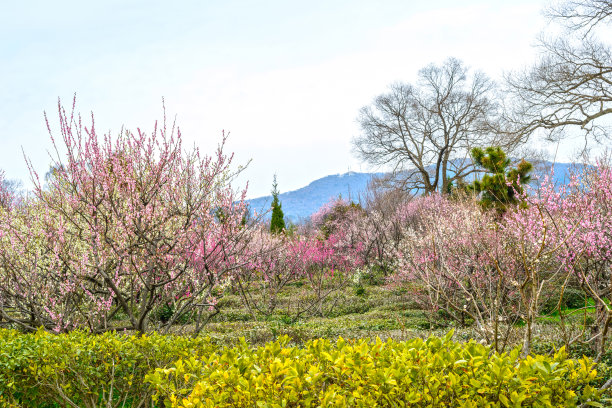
[
  {"x": 79, "y": 369},
  {"x": 578, "y": 350},
  {"x": 500, "y": 187},
  {"x": 377, "y": 274},
  {"x": 83, "y": 369},
  {"x": 573, "y": 298},
  {"x": 165, "y": 312},
  {"x": 291, "y": 229},
  {"x": 277, "y": 223},
  {"x": 432, "y": 373}
]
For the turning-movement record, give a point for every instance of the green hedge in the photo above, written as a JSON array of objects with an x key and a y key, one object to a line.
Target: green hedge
[
  {"x": 81, "y": 370},
  {"x": 432, "y": 373}
]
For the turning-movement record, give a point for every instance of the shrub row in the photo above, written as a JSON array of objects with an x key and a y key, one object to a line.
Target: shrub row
[
  {"x": 432, "y": 373},
  {"x": 82, "y": 370}
]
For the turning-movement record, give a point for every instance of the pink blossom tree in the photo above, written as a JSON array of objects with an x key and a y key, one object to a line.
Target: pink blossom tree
[
  {"x": 580, "y": 218},
  {"x": 269, "y": 270},
  {"x": 590, "y": 251},
  {"x": 376, "y": 227},
  {"x": 533, "y": 242},
  {"x": 453, "y": 258},
  {"x": 126, "y": 225},
  {"x": 496, "y": 270},
  {"x": 321, "y": 265},
  {"x": 327, "y": 265}
]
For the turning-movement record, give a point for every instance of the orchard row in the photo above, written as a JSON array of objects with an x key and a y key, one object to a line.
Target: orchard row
[{"x": 135, "y": 233}]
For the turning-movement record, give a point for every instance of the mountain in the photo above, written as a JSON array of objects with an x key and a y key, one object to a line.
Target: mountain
[{"x": 301, "y": 203}]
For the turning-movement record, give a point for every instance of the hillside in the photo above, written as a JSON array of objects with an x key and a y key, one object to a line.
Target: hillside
[{"x": 301, "y": 203}]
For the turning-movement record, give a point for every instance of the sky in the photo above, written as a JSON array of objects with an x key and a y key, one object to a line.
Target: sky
[{"x": 285, "y": 78}]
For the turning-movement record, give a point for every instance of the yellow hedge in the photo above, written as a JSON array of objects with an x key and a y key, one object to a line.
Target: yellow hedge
[
  {"x": 118, "y": 370},
  {"x": 432, "y": 373},
  {"x": 84, "y": 370}
]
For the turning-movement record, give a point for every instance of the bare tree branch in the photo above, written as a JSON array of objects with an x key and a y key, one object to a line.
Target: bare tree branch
[
  {"x": 426, "y": 131},
  {"x": 571, "y": 85},
  {"x": 579, "y": 15}
]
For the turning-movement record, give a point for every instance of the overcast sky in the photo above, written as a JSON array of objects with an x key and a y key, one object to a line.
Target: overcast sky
[{"x": 285, "y": 78}]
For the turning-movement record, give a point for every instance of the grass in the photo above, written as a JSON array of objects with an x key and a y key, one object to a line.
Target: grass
[
  {"x": 371, "y": 310},
  {"x": 362, "y": 311}
]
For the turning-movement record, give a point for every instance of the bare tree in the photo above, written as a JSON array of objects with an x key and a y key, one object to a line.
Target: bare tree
[
  {"x": 426, "y": 131},
  {"x": 578, "y": 15},
  {"x": 571, "y": 85}
]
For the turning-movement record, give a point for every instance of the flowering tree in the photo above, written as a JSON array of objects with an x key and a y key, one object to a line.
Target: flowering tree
[
  {"x": 322, "y": 266},
  {"x": 270, "y": 269},
  {"x": 327, "y": 266},
  {"x": 126, "y": 226},
  {"x": 322, "y": 259},
  {"x": 533, "y": 243},
  {"x": 593, "y": 243},
  {"x": 381, "y": 231},
  {"x": 581, "y": 216},
  {"x": 376, "y": 228},
  {"x": 10, "y": 192},
  {"x": 453, "y": 255},
  {"x": 494, "y": 270}
]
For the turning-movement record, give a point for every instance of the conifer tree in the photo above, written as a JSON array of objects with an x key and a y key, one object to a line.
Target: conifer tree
[
  {"x": 501, "y": 185},
  {"x": 277, "y": 223}
]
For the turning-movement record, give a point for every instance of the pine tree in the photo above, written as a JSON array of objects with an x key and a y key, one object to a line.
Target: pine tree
[
  {"x": 277, "y": 224},
  {"x": 501, "y": 185}
]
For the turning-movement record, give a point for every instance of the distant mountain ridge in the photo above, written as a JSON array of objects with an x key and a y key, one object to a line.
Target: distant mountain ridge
[{"x": 300, "y": 204}]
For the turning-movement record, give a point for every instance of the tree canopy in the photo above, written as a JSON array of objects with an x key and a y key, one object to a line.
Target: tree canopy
[
  {"x": 501, "y": 185},
  {"x": 277, "y": 223},
  {"x": 425, "y": 131}
]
